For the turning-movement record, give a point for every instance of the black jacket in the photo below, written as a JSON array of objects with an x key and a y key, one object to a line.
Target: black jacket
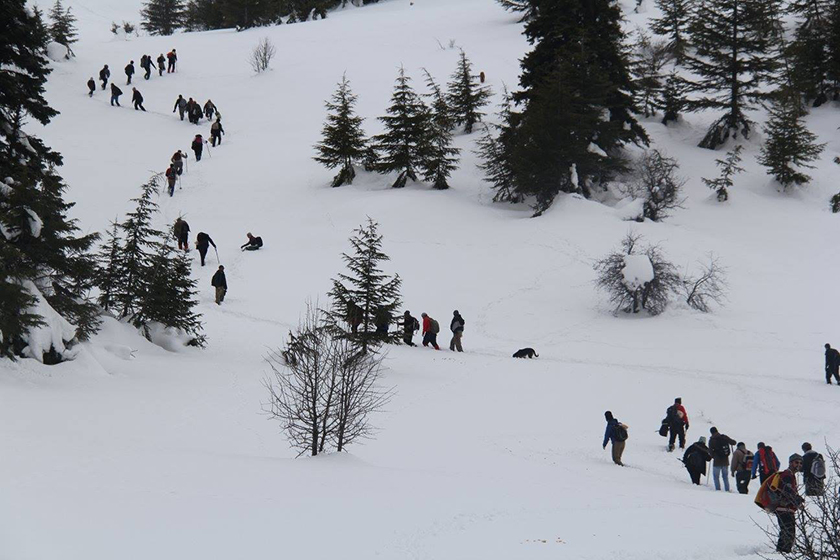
[
  {"x": 115, "y": 90},
  {"x": 129, "y": 69},
  {"x": 254, "y": 242},
  {"x": 807, "y": 462},
  {"x": 457, "y": 324},
  {"x": 104, "y": 74},
  {"x": 696, "y": 457},
  {"x": 219, "y": 280},
  {"x": 91, "y": 84},
  {"x": 410, "y": 323},
  {"x": 136, "y": 97},
  {"x": 216, "y": 130},
  {"x": 161, "y": 60},
  {"x": 202, "y": 240},
  {"x": 832, "y": 359},
  {"x": 716, "y": 443}
]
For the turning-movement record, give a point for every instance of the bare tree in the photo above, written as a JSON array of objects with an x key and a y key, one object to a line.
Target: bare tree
[
  {"x": 262, "y": 54},
  {"x": 656, "y": 182},
  {"x": 709, "y": 286}
]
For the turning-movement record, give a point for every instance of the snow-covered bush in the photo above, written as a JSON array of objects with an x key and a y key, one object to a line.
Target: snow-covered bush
[
  {"x": 262, "y": 54},
  {"x": 708, "y": 287},
  {"x": 655, "y": 181},
  {"x": 637, "y": 278},
  {"x": 58, "y": 52}
]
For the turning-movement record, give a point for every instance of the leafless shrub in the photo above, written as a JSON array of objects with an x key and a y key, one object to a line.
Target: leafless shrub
[
  {"x": 710, "y": 286},
  {"x": 323, "y": 389},
  {"x": 262, "y": 54},
  {"x": 656, "y": 182}
]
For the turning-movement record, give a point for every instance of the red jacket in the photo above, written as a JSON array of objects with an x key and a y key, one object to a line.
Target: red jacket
[
  {"x": 427, "y": 324},
  {"x": 681, "y": 408}
]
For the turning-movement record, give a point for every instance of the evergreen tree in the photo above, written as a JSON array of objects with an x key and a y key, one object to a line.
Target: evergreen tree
[
  {"x": 790, "y": 146},
  {"x": 833, "y": 40},
  {"x": 440, "y": 158},
  {"x": 676, "y": 17},
  {"x": 835, "y": 200},
  {"x": 731, "y": 61},
  {"x": 63, "y": 28},
  {"x": 494, "y": 155},
  {"x": 201, "y": 15},
  {"x": 41, "y": 254},
  {"x": 402, "y": 146},
  {"x": 673, "y": 99},
  {"x": 518, "y": 6},
  {"x": 343, "y": 139},
  {"x": 40, "y": 31},
  {"x": 577, "y": 101},
  {"x": 466, "y": 96},
  {"x": 162, "y": 17},
  {"x": 728, "y": 169},
  {"x": 648, "y": 60},
  {"x": 107, "y": 275},
  {"x": 809, "y": 50},
  {"x": 366, "y": 296}
]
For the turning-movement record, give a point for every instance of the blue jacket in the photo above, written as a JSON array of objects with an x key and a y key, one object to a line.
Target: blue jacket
[
  {"x": 758, "y": 459},
  {"x": 608, "y": 434}
]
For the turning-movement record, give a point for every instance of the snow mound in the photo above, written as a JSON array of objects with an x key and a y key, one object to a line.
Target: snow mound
[
  {"x": 57, "y": 51},
  {"x": 56, "y": 332},
  {"x": 637, "y": 271}
]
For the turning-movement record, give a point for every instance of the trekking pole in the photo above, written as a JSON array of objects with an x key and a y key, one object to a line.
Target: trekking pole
[
  {"x": 217, "y": 255},
  {"x": 209, "y": 151},
  {"x": 187, "y": 161},
  {"x": 179, "y": 182}
]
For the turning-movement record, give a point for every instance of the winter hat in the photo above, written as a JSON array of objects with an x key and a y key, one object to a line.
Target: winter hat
[
  {"x": 455, "y": 312},
  {"x": 806, "y": 447},
  {"x": 713, "y": 430},
  {"x": 702, "y": 440},
  {"x": 795, "y": 457},
  {"x": 608, "y": 415},
  {"x": 760, "y": 444},
  {"x": 827, "y": 345},
  {"x": 741, "y": 445},
  {"x": 678, "y": 400},
  {"x": 423, "y": 314}
]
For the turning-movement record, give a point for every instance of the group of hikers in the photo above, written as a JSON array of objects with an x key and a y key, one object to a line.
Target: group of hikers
[
  {"x": 431, "y": 328},
  {"x": 194, "y": 111},
  {"x": 146, "y": 63},
  {"x": 778, "y": 493}
]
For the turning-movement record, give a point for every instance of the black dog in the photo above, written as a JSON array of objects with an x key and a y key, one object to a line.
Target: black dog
[{"x": 526, "y": 353}]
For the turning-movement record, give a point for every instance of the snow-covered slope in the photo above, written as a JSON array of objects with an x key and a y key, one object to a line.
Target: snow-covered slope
[{"x": 135, "y": 452}]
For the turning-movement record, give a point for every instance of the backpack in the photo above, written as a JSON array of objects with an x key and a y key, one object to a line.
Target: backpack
[
  {"x": 416, "y": 325},
  {"x": 620, "y": 432},
  {"x": 769, "y": 495},
  {"x": 818, "y": 467},
  {"x": 720, "y": 447},
  {"x": 748, "y": 462},
  {"x": 435, "y": 327}
]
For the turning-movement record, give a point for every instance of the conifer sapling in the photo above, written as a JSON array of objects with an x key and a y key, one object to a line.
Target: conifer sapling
[{"x": 343, "y": 139}]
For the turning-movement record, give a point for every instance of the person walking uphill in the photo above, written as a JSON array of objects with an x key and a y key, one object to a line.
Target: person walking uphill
[
  {"x": 813, "y": 471},
  {"x": 832, "y": 364},
  {"x": 220, "y": 283},
  {"x": 115, "y": 95},
  {"x": 91, "y": 87},
  {"x": 104, "y": 74},
  {"x": 789, "y": 502},
  {"x": 431, "y": 328},
  {"x": 129, "y": 72},
  {"x": 197, "y": 146},
  {"x": 202, "y": 243},
  {"x": 410, "y": 325},
  {"x": 181, "y": 229},
  {"x": 216, "y": 132},
  {"x": 742, "y": 459},
  {"x": 161, "y": 64},
  {"x": 180, "y": 106},
  {"x": 695, "y": 459},
  {"x": 178, "y": 161},
  {"x": 719, "y": 446},
  {"x": 677, "y": 420},
  {"x": 457, "y": 328},
  {"x": 616, "y": 432},
  {"x": 765, "y": 462},
  {"x": 171, "y": 178},
  {"x": 172, "y": 58},
  {"x": 209, "y": 109},
  {"x": 137, "y": 99}
]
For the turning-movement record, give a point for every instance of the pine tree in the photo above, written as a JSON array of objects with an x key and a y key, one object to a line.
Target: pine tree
[
  {"x": 809, "y": 50},
  {"x": 401, "y": 148},
  {"x": 162, "y": 17},
  {"x": 343, "y": 139},
  {"x": 108, "y": 276},
  {"x": 648, "y": 60},
  {"x": 40, "y": 250},
  {"x": 676, "y": 17},
  {"x": 673, "y": 99},
  {"x": 790, "y": 146},
  {"x": 494, "y": 155},
  {"x": 731, "y": 61},
  {"x": 833, "y": 47},
  {"x": 366, "y": 296},
  {"x": 728, "y": 169},
  {"x": 466, "y": 96},
  {"x": 63, "y": 28},
  {"x": 518, "y": 6},
  {"x": 440, "y": 158}
]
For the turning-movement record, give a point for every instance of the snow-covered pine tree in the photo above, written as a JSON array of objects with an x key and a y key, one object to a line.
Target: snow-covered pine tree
[
  {"x": 162, "y": 17},
  {"x": 673, "y": 99},
  {"x": 401, "y": 147},
  {"x": 728, "y": 169},
  {"x": 107, "y": 274},
  {"x": 674, "y": 23},
  {"x": 492, "y": 151},
  {"x": 466, "y": 96},
  {"x": 63, "y": 27},
  {"x": 42, "y": 258},
  {"x": 169, "y": 295},
  {"x": 649, "y": 57},
  {"x": 440, "y": 158},
  {"x": 809, "y": 50},
  {"x": 731, "y": 61},
  {"x": 790, "y": 146},
  {"x": 343, "y": 140},
  {"x": 365, "y": 294}
]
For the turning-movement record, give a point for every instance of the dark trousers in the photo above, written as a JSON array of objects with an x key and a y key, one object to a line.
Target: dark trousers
[
  {"x": 104, "y": 83},
  {"x": 160, "y": 70},
  {"x": 695, "y": 476},
  {"x": 742, "y": 481},
  {"x": 202, "y": 251},
  {"x": 214, "y": 138},
  {"x": 139, "y": 105},
  {"x": 115, "y": 99},
  {"x": 677, "y": 430},
  {"x": 814, "y": 486},
  {"x": 128, "y": 81},
  {"x": 90, "y": 93},
  {"x": 148, "y": 73},
  {"x": 171, "y": 187},
  {"x": 787, "y": 530},
  {"x": 197, "y": 154},
  {"x": 762, "y": 477},
  {"x": 430, "y": 338},
  {"x": 171, "y": 67},
  {"x": 829, "y": 373},
  {"x": 184, "y": 242},
  {"x": 407, "y": 338}
]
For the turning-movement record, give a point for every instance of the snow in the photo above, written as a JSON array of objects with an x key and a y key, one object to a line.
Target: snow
[
  {"x": 133, "y": 451},
  {"x": 57, "y": 52},
  {"x": 637, "y": 271},
  {"x": 55, "y": 333},
  {"x": 35, "y": 223}
]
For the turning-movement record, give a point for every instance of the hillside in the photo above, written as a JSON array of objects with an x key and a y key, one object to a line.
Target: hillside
[{"x": 163, "y": 454}]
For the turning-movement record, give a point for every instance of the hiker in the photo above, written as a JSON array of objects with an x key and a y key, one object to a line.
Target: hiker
[
  {"x": 115, "y": 95},
  {"x": 764, "y": 461},
  {"x": 354, "y": 314},
  {"x": 148, "y": 67},
  {"x": 178, "y": 161},
  {"x": 410, "y": 326},
  {"x": 209, "y": 109},
  {"x": 171, "y": 178},
  {"x": 616, "y": 432},
  {"x": 457, "y": 328},
  {"x": 181, "y": 229},
  {"x": 382, "y": 320},
  {"x": 202, "y": 243},
  {"x": 677, "y": 419},
  {"x": 253, "y": 244},
  {"x": 719, "y": 446},
  {"x": 742, "y": 459},
  {"x": 137, "y": 98},
  {"x": 832, "y": 364},
  {"x": 104, "y": 74},
  {"x": 197, "y": 146},
  {"x": 172, "y": 57},
  {"x": 695, "y": 459},
  {"x": 813, "y": 471},
  {"x": 91, "y": 87},
  {"x": 431, "y": 328},
  {"x": 180, "y": 106},
  {"x": 194, "y": 112},
  {"x": 789, "y": 501},
  {"x": 220, "y": 283},
  {"x": 129, "y": 72},
  {"x": 216, "y": 132},
  {"x": 189, "y": 109},
  {"x": 160, "y": 64}
]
